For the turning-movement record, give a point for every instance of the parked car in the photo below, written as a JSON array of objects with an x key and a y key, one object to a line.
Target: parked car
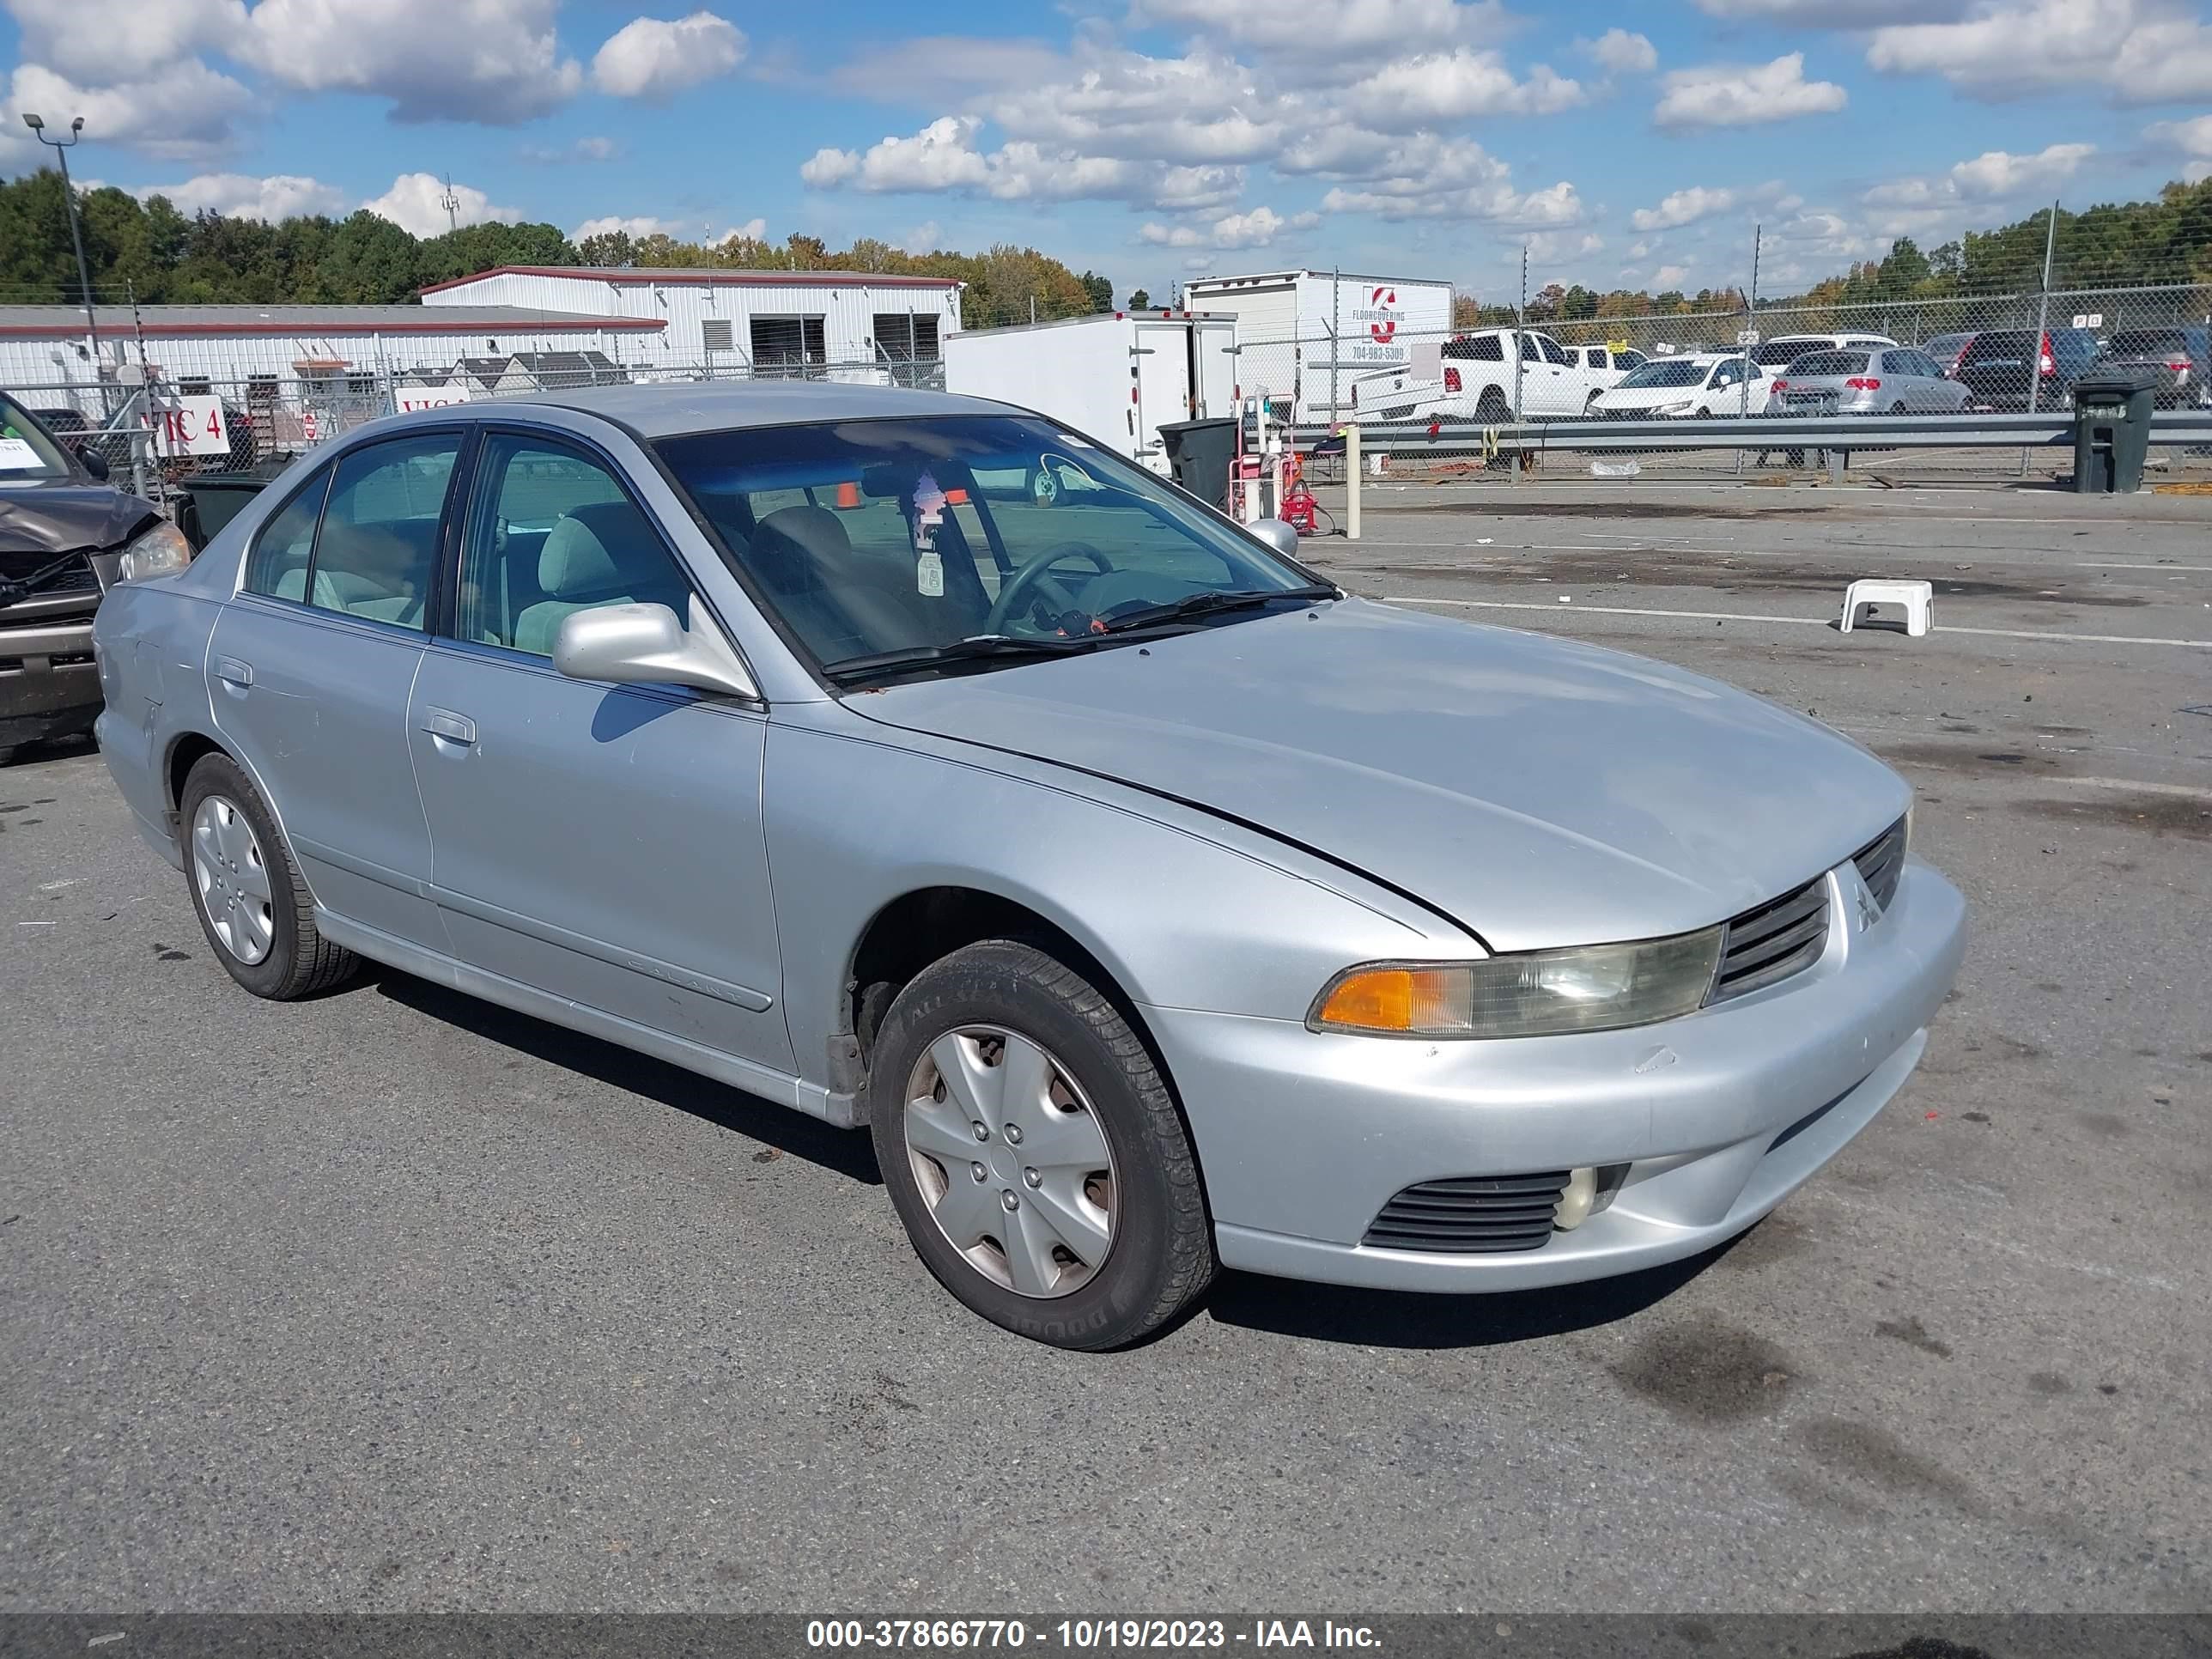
[
  {"x": 1492, "y": 375},
  {"x": 1892, "y": 381},
  {"x": 1771, "y": 358},
  {"x": 66, "y": 535},
  {"x": 2001, "y": 365},
  {"x": 87, "y": 440},
  {"x": 1708, "y": 384},
  {"x": 1154, "y": 904},
  {"x": 2180, "y": 356},
  {"x": 1947, "y": 351}
]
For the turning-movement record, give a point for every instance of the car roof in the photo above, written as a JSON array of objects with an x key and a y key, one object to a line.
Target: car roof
[{"x": 665, "y": 410}]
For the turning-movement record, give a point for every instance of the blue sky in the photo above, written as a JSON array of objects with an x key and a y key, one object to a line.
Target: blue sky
[{"x": 1631, "y": 144}]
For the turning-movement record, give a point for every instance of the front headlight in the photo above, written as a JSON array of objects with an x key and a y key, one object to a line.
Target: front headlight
[
  {"x": 1595, "y": 987},
  {"x": 161, "y": 551},
  {"x": 1682, "y": 408}
]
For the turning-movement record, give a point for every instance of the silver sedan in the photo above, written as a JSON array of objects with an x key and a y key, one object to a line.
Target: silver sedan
[
  {"x": 1887, "y": 380},
  {"x": 920, "y": 764}
]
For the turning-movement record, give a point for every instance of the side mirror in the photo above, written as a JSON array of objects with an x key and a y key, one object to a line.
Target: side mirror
[
  {"x": 92, "y": 461},
  {"x": 1277, "y": 534},
  {"x": 644, "y": 645}
]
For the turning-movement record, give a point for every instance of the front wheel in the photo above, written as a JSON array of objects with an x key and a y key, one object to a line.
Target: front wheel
[
  {"x": 246, "y": 891},
  {"x": 1033, "y": 1151}
]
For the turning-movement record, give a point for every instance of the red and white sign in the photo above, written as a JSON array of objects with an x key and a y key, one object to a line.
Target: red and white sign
[
  {"x": 412, "y": 398},
  {"x": 1380, "y": 314},
  {"x": 1383, "y": 302},
  {"x": 190, "y": 426}
]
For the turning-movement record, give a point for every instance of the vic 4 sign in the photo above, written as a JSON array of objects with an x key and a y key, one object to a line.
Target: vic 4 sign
[{"x": 190, "y": 426}]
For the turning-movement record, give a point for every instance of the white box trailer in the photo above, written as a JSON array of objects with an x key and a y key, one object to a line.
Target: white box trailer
[
  {"x": 1117, "y": 377},
  {"x": 1306, "y": 334}
]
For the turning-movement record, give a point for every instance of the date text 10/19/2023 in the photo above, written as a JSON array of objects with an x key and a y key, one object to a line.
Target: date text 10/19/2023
[{"x": 1087, "y": 1635}]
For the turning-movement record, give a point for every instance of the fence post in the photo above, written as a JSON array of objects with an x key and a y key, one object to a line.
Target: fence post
[
  {"x": 1351, "y": 482},
  {"x": 2042, "y": 323}
]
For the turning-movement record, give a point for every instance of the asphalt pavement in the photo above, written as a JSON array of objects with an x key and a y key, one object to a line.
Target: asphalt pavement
[{"x": 393, "y": 1300}]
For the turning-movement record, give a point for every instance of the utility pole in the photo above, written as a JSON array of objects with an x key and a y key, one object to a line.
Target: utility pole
[
  {"x": 452, "y": 202},
  {"x": 2042, "y": 309},
  {"x": 61, "y": 150},
  {"x": 1520, "y": 348},
  {"x": 1335, "y": 336}
]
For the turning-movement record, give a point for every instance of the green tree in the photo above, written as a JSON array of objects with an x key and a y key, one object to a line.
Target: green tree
[
  {"x": 1098, "y": 290},
  {"x": 1140, "y": 300}
]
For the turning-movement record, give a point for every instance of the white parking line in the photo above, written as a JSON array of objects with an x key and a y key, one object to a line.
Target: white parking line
[
  {"x": 1798, "y": 621},
  {"x": 2109, "y": 564}
]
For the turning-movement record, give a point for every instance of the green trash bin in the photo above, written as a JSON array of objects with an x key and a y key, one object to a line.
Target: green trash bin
[
  {"x": 212, "y": 500},
  {"x": 2112, "y": 429},
  {"x": 1199, "y": 454}
]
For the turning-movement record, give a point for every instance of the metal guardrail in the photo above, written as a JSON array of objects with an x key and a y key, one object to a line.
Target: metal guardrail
[{"x": 1834, "y": 432}]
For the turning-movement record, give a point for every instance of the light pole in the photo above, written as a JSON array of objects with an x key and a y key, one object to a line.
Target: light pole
[{"x": 61, "y": 148}]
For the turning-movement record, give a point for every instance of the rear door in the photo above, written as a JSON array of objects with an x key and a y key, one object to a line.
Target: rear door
[
  {"x": 1163, "y": 365},
  {"x": 311, "y": 665},
  {"x": 1547, "y": 390}
]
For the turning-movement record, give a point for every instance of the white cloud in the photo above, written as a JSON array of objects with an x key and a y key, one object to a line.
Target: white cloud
[
  {"x": 496, "y": 62},
  {"x": 242, "y": 196},
  {"x": 2140, "y": 52},
  {"x": 941, "y": 156},
  {"x": 1683, "y": 207},
  {"x": 185, "y": 113},
  {"x": 944, "y": 157},
  {"x": 1996, "y": 172},
  {"x": 1936, "y": 204},
  {"x": 2192, "y": 138},
  {"x": 1834, "y": 14},
  {"x": 753, "y": 230},
  {"x": 1621, "y": 52},
  {"x": 1193, "y": 110},
  {"x": 416, "y": 202},
  {"x": 925, "y": 237},
  {"x": 102, "y": 42},
  {"x": 653, "y": 60},
  {"x": 1436, "y": 87},
  {"x": 1196, "y": 190},
  {"x": 1257, "y": 229},
  {"x": 1743, "y": 94},
  {"x": 1667, "y": 277},
  {"x": 635, "y": 228}
]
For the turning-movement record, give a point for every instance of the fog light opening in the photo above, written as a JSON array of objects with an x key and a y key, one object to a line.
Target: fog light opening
[{"x": 1588, "y": 1191}]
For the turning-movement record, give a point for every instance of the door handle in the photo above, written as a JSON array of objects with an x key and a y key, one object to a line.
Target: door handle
[
  {"x": 452, "y": 727},
  {"x": 232, "y": 671}
]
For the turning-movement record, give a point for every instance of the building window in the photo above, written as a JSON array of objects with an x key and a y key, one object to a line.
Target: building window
[
  {"x": 787, "y": 345},
  {"x": 716, "y": 334},
  {"x": 907, "y": 345},
  {"x": 192, "y": 386}
]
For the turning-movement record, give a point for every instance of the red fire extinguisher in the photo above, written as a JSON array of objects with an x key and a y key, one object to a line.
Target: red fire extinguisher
[{"x": 1297, "y": 508}]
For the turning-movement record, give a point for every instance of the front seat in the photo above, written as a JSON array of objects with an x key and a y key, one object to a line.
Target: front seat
[
  {"x": 803, "y": 554},
  {"x": 601, "y": 553}
]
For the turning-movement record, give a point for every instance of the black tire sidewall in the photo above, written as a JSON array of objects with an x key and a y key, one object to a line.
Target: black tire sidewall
[
  {"x": 989, "y": 985},
  {"x": 218, "y": 774}
]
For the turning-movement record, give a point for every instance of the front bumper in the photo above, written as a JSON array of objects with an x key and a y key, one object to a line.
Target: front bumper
[
  {"x": 1303, "y": 1137},
  {"x": 49, "y": 686}
]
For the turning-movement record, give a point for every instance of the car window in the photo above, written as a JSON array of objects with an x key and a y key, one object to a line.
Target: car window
[
  {"x": 1554, "y": 351},
  {"x": 1594, "y": 358},
  {"x": 26, "y": 451},
  {"x": 1484, "y": 348},
  {"x": 1629, "y": 360},
  {"x": 1775, "y": 354},
  {"x": 1665, "y": 372},
  {"x": 1814, "y": 363},
  {"x": 552, "y": 531},
  {"x": 1728, "y": 371},
  {"x": 893, "y": 541},
  {"x": 376, "y": 550},
  {"x": 278, "y": 564}
]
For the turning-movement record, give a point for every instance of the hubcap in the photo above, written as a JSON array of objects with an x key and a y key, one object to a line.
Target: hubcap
[
  {"x": 233, "y": 879},
  {"x": 1012, "y": 1160}
]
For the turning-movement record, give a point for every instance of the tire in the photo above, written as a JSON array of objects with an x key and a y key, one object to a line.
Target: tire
[
  {"x": 7, "y": 753},
  {"x": 1004, "y": 1007},
  {"x": 227, "y": 872},
  {"x": 1491, "y": 408}
]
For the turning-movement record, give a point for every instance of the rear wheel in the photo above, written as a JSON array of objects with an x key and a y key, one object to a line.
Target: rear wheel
[
  {"x": 247, "y": 891},
  {"x": 1491, "y": 408},
  {"x": 1032, "y": 1150}
]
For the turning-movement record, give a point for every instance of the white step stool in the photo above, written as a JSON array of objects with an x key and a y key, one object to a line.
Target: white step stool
[{"x": 1916, "y": 597}]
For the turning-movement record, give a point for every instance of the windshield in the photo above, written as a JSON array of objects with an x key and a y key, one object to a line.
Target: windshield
[
  {"x": 906, "y": 536},
  {"x": 26, "y": 451},
  {"x": 1817, "y": 364},
  {"x": 2147, "y": 343},
  {"x": 1666, "y": 371},
  {"x": 1777, "y": 353}
]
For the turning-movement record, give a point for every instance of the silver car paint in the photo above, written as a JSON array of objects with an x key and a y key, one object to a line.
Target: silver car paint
[
  {"x": 1539, "y": 791},
  {"x": 1458, "y": 780},
  {"x": 1901, "y": 383}
]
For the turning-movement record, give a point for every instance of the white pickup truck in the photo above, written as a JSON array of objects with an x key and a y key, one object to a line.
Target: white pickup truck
[{"x": 1471, "y": 377}]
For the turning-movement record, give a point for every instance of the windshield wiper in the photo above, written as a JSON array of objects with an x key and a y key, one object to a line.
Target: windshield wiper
[
  {"x": 1200, "y": 605},
  {"x": 973, "y": 648}
]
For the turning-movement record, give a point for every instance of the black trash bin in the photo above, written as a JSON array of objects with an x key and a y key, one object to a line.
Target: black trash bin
[
  {"x": 212, "y": 500},
  {"x": 1199, "y": 454},
  {"x": 2112, "y": 429}
]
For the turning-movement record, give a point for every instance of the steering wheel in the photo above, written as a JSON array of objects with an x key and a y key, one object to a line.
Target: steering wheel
[{"x": 1026, "y": 584}]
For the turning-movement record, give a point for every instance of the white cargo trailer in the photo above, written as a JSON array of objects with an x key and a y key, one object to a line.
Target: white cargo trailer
[
  {"x": 1117, "y": 377},
  {"x": 1306, "y": 334}
]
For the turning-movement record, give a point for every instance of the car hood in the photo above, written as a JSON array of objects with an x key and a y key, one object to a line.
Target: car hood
[
  {"x": 62, "y": 516},
  {"x": 1649, "y": 397},
  {"x": 1538, "y": 791}
]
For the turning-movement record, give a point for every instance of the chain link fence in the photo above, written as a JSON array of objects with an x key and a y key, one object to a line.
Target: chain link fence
[{"x": 1472, "y": 373}]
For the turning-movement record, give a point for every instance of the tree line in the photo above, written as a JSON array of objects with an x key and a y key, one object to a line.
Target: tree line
[{"x": 152, "y": 250}]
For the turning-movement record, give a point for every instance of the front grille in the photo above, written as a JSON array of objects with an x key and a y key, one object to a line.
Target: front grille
[
  {"x": 1881, "y": 862},
  {"x": 75, "y": 577},
  {"x": 1778, "y": 940},
  {"x": 1471, "y": 1215}
]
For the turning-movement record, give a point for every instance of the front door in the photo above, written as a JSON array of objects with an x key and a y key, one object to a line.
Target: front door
[
  {"x": 602, "y": 843},
  {"x": 1162, "y": 386},
  {"x": 310, "y": 669}
]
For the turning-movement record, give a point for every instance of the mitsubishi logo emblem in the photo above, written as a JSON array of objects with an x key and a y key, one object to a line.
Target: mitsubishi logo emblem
[{"x": 1869, "y": 912}]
